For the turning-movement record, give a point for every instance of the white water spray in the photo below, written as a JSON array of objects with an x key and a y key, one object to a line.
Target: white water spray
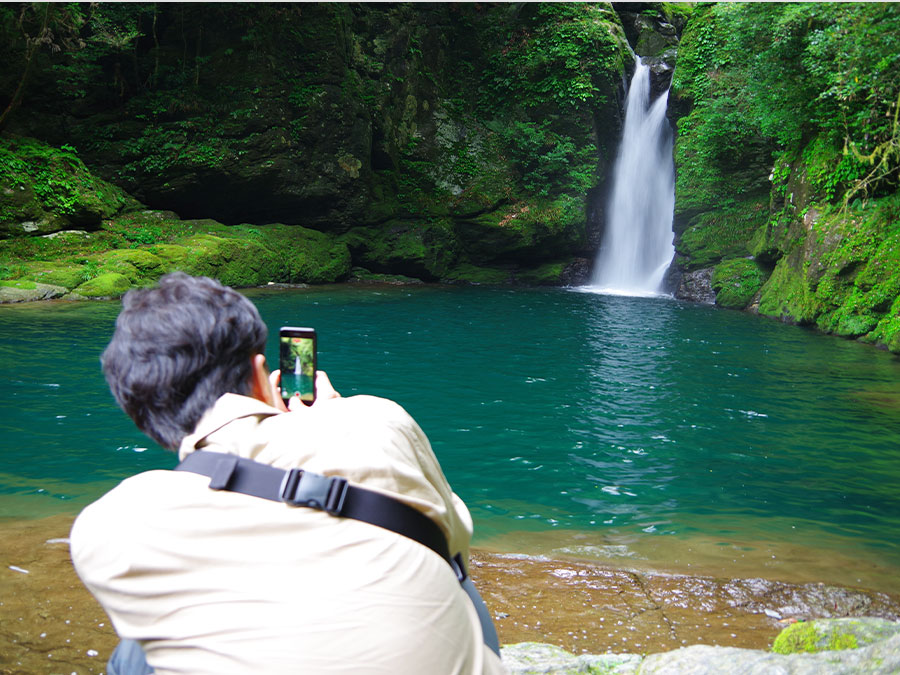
[{"x": 637, "y": 245}]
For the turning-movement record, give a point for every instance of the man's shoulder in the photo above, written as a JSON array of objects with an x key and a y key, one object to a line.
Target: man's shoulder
[
  {"x": 114, "y": 516},
  {"x": 365, "y": 409}
]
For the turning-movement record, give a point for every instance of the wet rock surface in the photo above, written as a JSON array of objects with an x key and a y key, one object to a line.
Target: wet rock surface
[
  {"x": 696, "y": 286},
  {"x": 50, "y": 623},
  {"x": 586, "y": 608}
]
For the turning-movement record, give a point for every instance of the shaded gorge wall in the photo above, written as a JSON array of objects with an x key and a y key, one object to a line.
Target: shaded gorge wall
[{"x": 444, "y": 142}]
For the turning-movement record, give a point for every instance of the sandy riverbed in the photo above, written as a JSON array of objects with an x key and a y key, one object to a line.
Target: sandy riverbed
[{"x": 50, "y": 624}]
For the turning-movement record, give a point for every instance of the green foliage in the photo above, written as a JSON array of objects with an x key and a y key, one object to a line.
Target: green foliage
[
  {"x": 768, "y": 77},
  {"x": 843, "y": 275},
  {"x": 56, "y": 179},
  {"x": 555, "y": 57},
  {"x": 549, "y": 162}
]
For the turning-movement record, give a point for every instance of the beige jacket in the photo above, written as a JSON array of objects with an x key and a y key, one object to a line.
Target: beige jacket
[{"x": 221, "y": 582}]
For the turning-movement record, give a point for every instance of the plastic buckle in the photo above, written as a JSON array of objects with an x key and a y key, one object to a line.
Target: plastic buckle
[{"x": 305, "y": 488}]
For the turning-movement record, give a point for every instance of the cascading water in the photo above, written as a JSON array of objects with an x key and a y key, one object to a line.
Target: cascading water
[{"x": 637, "y": 246}]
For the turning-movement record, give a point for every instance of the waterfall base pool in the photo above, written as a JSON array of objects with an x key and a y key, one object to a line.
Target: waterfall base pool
[{"x": 642, "y": 432}]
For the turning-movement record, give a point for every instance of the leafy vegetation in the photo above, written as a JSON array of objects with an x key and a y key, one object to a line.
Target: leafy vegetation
[{"x": 794, "y": 109}]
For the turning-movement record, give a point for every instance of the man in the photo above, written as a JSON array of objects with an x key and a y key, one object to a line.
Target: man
[{"x": 218, "y": 581}]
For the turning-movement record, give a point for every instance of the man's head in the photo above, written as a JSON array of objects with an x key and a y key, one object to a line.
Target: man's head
[{"x": 177, "y": 348}]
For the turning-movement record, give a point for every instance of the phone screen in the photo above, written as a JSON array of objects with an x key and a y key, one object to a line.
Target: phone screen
[{"x": 297, "y": 360}]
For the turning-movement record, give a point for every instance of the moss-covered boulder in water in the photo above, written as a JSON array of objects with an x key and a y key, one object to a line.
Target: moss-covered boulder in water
[
  {"x": 736, "y": 282},
  {"x": 107, "y": 285},
  {"x": 308, "y": 256},
  {"x": 424, "y": 250},
  {"x": 234, "y": 262}
]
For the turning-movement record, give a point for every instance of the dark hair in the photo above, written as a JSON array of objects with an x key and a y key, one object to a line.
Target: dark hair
[{"x": 177, "y": 348}]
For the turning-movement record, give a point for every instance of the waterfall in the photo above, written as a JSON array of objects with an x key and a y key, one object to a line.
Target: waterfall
[
  {"x": 298, "y": 369},
  {"x": 637, "y": 245}
]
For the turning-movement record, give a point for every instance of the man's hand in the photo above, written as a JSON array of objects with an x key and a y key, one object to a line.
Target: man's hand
[{"x": 324, "y": 389}]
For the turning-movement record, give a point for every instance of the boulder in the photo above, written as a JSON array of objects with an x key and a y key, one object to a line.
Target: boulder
[
  {"x": 106, "y": 285},
  {"x": 822, "y": 647},
  {"x": 696, "y": 286},
  {"x": 534, "y": 658},
  {"x": 22, "y": 290}
]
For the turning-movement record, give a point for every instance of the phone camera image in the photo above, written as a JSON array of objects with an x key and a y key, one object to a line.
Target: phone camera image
[{"x": 297, "y": 360}]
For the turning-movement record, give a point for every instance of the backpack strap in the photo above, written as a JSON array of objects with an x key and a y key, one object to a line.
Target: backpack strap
[{"x": 332, "y": 494}]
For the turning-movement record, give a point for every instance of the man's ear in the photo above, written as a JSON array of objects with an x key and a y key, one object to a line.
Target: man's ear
[{"x": 260, "y": 386}]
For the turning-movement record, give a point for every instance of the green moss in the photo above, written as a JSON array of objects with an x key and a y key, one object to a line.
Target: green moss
[
  {"x": 364, "y": 275},
  {"x": 529, "y": 232},
  {"x": 138, "y": 265},
  {"x": 736, "y": 282},
  {"x": 107, "y": 285},
  {"x": 234, "y": 262},
  {"x": 171, "y": 255},
  {"x": 65, "y": 274},
  {"x": 808, "y": 637},
  {"x": 18, "y": 283},
  {"x": 548, "y": 274},
  {"x": 721, "y": 233},
  {"x": 308, "y": 256},
  {"x": 41, "y": 182},
  {"x": 423, "y": 250},
  {"x": 476, "y": 274},
  {"x": 787, "y": 295}
]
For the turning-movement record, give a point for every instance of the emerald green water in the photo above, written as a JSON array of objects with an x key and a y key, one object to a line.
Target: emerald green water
[{"x": 632, "y": 430}]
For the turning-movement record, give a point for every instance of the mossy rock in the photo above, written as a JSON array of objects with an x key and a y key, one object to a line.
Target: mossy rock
[
  {"x": 887, "y": 332},
  {"x": 25, "y": 290},
  {"x": 736, "y": 282},
  {"x": 25, "y": 284},
  {"x": 833, "y": 635},
  {"x": 721, "y": 234},
  {"x": 548, "y": 274},
  {"x": 66, "y": 274},
  {"x": 787, "y": 295},
  {"x": 308, "y": 256},
  {"x": 171, "y": 255},
  {"x": 360, "y": 274},
  {"x": 52, "y": 189},
  {"x": 138, "y": 265},
  {"x": 414, "y": 249},
  {"x": 234, "y": 262},
  {"x": 468, "y": 273},
  {"x": 524, "y": 232},
  {"x": 148, "y": 227},
  {"x": 107, "y": 285}
]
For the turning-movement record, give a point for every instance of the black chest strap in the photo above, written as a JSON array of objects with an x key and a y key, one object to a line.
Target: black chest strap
[
  {"x": 336, "y": 496},
  {"x": 331, "y": 494}
]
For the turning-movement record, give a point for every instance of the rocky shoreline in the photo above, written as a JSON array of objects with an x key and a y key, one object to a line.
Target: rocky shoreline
[{"x": 572, "y": 608}]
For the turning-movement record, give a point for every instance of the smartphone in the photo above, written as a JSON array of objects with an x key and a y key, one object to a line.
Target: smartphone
[{"x": 297, "y": 360}]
